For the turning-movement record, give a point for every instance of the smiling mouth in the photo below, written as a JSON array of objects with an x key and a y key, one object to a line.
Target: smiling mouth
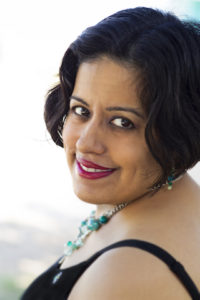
[
  {"x": 92, "y": 173},
  {"x": 91, "y": 170}
]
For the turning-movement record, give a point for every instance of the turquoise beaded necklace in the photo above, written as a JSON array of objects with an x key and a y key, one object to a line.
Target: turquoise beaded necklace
[{"x": 89, "y": 225}]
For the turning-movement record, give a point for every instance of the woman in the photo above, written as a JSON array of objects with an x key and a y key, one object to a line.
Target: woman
[{"x": 127, "y": 113}]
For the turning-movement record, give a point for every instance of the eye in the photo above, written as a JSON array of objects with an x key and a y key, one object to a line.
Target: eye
[
  {"x": 80, "y": 111},
  {"x": 123, "y": 123}
]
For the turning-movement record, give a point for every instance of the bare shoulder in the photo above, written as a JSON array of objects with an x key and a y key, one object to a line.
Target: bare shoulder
[{"x": 128, "y": 274}]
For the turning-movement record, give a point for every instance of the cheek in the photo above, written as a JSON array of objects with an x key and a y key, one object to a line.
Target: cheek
[
  {"x": 133, "y": 153},
  {"x": 70, "y": 137},
  {"x": 150, "y": 169},
  {"x": 136, "y": 158}
]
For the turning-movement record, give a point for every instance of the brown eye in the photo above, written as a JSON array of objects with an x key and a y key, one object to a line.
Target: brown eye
[
  {"x": 81, "y": 111},
  {"x": 123, "y": 123}
]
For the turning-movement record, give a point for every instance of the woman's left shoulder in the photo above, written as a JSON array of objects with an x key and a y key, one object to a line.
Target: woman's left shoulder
[{"x": 128, "y": 273}]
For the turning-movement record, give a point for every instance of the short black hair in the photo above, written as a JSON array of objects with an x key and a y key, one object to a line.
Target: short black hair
[{"x": 166, "y": 52}]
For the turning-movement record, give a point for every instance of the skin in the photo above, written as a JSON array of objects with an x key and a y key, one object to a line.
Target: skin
[{"x": 96, "y": 137}]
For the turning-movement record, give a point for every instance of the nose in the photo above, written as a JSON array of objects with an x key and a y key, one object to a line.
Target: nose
[{"x": 91, "y": 138}]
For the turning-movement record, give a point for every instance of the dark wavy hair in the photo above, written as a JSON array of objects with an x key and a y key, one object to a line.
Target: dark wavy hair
[{"x": 166, "y": 52}]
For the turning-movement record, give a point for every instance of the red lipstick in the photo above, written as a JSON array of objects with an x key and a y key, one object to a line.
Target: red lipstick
[
  {"x": 90, "y": 164},
  {"x": 85, "y": 167}
]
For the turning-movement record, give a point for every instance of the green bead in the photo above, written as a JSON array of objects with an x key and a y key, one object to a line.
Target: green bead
[
  {"x": 170, "y": 183},
  {"x": 103, "y": 219},
  {"x": 83, "y": 223},
  {"x": 74, "y": 246},
  {"x": 71, "y": 245},
  {"x": 93, "y": 225},
  {"x": 170, "y": 178}
]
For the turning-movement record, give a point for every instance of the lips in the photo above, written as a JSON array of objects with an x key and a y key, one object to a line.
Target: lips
[
  {"x": 89, "y": 164},
  {"x": 91, "y": 170}
]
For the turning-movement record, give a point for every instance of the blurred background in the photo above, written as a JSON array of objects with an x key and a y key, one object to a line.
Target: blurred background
[{"x": 39, "y": 212}]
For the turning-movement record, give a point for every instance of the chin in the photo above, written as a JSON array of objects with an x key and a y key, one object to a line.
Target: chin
[{"x": 91, "y": 198}]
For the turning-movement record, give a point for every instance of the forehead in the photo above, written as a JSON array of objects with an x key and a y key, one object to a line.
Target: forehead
[{"x": 107, "y": 79}]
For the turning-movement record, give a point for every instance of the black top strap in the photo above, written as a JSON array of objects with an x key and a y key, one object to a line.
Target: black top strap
[{"x": 175, "y": 266}]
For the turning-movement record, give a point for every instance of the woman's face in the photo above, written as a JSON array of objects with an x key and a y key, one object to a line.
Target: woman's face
[{"x": 103, "y": 135}]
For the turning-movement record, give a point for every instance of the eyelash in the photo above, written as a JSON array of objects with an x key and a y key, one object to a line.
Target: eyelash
[{"x": 73, "y": 109}]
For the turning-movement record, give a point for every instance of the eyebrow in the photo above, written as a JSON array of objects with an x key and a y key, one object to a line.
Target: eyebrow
[{"x": 112, "y": 108}]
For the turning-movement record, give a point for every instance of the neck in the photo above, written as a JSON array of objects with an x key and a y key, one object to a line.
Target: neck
[{"x": 148, "y": 199}]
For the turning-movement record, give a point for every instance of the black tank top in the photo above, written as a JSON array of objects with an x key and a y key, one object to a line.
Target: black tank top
[{"x": 56, "y": 284}]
